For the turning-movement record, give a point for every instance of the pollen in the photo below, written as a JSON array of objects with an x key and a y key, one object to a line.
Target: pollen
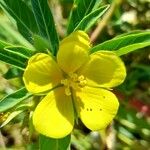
[{"x": 73, "y": 81}]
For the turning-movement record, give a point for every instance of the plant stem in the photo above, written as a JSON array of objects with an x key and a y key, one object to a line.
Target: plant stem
[{"x": 102, "y": 24}]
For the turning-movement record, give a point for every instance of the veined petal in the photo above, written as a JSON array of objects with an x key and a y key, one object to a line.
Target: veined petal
[
  {"x": 96, "y": 107},
  {"x": 42, "y": 73},
  {"x": 73, "y": 51},
  {"x": 54, "y": 116},
  {"x": 105, "y": 69}
]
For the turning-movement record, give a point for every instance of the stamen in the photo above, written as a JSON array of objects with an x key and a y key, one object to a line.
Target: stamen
[
  {"x": 73, "y": 76},
  {"x": 65, "y": 82},
  {"x": 83, "y": 83},
  {"x": 81, "y": 78},
  {"x": 73, "y": 81},
  {"x": 67, "y": 91}
]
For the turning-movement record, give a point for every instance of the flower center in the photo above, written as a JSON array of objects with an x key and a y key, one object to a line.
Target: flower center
[{"x": 73, "y": 81}]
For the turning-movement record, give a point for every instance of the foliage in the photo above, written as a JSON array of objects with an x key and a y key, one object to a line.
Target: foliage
[{"x": 33, "y": 29}]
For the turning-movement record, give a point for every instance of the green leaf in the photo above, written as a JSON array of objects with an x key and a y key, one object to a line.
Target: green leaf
[
  {"x": 46, "y": 23},
  {"x": 15, "y": 55},
  {"x": 81, "y": 8},
  {"x": 130, "y": 48},
  {"x": 9, "y": 33},
  {"x": 130, "y": 33},
  {"x": 40, "y": 43},
  {"x": 47, "y": 143},
  {"x": 12, "y": 72},
  {"x": 13, "y": 99},
  {"x": 91, "y": 18},
  {"x": 10, "y": 117},
  {"x": 4, "y": 44},
  {"x": 125, "y": 44},
  {"x": 22, "y": 51},
  {"x": 23, "y": 16},
  {"x": 12, "y": 61}
]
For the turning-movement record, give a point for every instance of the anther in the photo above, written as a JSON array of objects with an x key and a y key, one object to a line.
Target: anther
[
  {"x": 81, "y": 78},
  {"x": 67, "y": 91},
  {"x": 82, "y": 83},
  {"x": 65, "y": 82}
]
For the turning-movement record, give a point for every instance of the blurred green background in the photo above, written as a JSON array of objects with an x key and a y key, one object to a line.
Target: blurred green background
[{"x": 131, "y": 127}]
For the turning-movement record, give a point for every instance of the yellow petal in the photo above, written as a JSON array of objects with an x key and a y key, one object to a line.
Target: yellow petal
[
  {"x": 96, "y": 107},
  {"x": 73, "y": 51},
  {"x": 54, "y": 116},
  {"x": 105, "y": 69},
  {"x": 42, "y": 73}
]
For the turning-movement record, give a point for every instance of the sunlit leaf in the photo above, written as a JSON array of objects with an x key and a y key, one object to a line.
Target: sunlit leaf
[
  {"x": 10, "y": 117},
  {"x": 80, "y": 9},
  {"x": 13, "y": 99},
  {"x": 91, "y": 18},
  {"x": 45, "y": 23},
  {"x": 125, "y": 44},
  {"x": 40, "y": 43},
  {"x": 47, "y": 143},
  {"x": 23, "y": 16},
  {"x": 10, "y": 33},
  {"x": 15, "y": 55}
]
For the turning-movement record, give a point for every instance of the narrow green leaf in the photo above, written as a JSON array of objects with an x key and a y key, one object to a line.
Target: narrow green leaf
[
  {"x": 125, "y": 44},
  {"x": 10, "y": 33},
  {"x": 13, "y": 99},
  {"x": 130, "y": 33},
  {"x": 80, "y": 9},
  {"x": 96, "y": 5},
  {"x": 47, "y": 143},
  {"x": 130, "y": 48},
  {"x": 12, "y": 61},
  {"x": 4, "y": 44},
  {"x": 20, "y": 50},
  {"x": 15, "y": 55},
  {"x": 91, "y": 18},
  {"x": 23, "y": 16},
  {"x": 46, "y": 23},
  {"x": 10, "y": 117}
]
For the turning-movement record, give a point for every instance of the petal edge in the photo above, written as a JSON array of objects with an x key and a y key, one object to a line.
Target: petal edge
[
  {"x": 96, "y": 107},
  {"x": 104, "y": 69},
  {"x": 54, "y": 115},
  {"x": 73, "y": 51},
  {"x": 41, "y": 74}
]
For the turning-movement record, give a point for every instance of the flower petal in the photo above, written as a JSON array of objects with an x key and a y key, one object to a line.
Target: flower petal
[
  {"x": 73, "y": 51},
  {"x": 105, "y": 69},
  {"x": 96, "y": 107},
  {"x": 54, "y": 115},
  {"x": 42, "y": 73}
]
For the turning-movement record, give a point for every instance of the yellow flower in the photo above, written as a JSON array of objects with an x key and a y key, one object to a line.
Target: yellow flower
[{"x": 80, "y": 81}]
